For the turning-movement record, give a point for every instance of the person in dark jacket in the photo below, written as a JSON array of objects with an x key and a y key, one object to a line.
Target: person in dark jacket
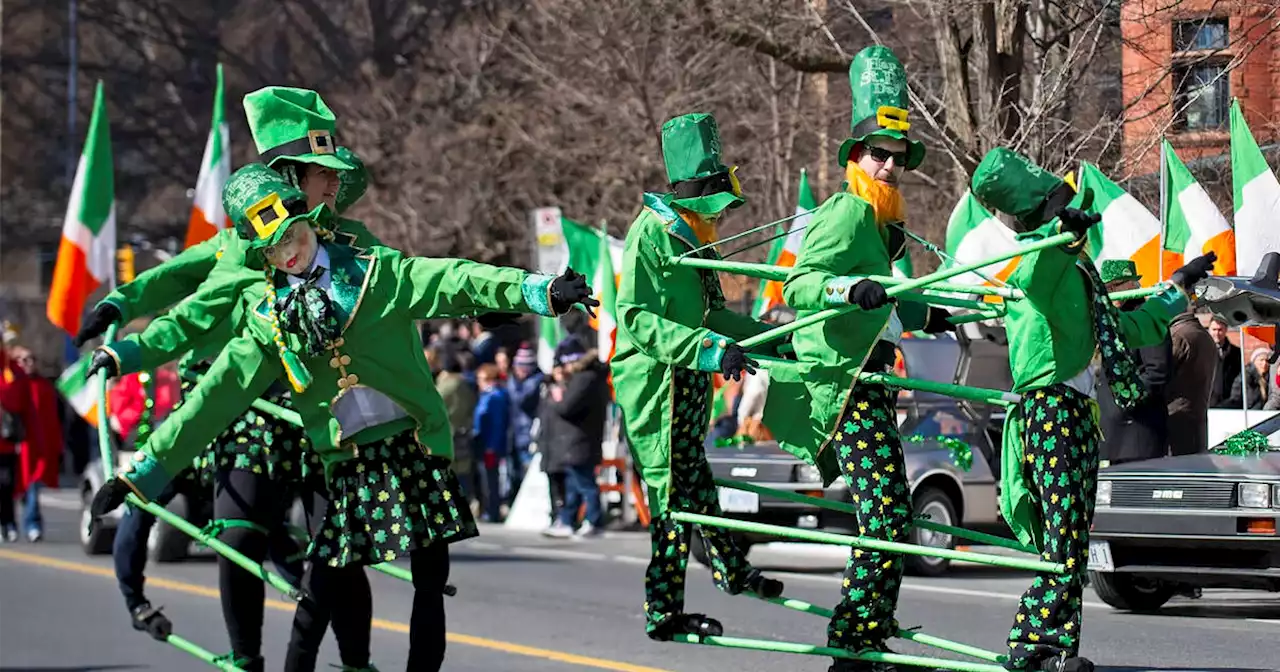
[
  {"x": 577, "y": 413},
  {"x": 1228, "y": 365},
  {"x": 1195, "y": 361},
  {"x": 1142, "y": 433},
  {"x": 524, "y": 387},
  {"x": 489, "y": 432},
  {"x": 1254, "y": 391}
]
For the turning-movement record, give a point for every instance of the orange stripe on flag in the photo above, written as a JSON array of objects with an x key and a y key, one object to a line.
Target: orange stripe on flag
[
  {"x": 1147, "y": 259},
  {"x": 1172, "y": 262},
  {"x": 199, "y": 229},
  {"x": 1225, "y": 245},
  {"x": 1003, "y": 276},
  {"x": 71, "y": 287}
]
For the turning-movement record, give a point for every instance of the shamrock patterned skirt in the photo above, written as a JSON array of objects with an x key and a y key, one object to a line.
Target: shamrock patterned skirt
[
  {"x": 390, "y": 499},
  {"x": 264, "y": 444}
]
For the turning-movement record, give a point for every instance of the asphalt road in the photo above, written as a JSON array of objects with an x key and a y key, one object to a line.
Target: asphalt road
[{"x": 530, "y": 604}]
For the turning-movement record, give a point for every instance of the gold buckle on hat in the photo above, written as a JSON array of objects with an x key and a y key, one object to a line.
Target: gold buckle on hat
[
  {"x": 321, "y": 141},
  {"x": 733, "y": 180},
  {"x": 894, "y": 118},
  {"x": 267, "y": 215}
]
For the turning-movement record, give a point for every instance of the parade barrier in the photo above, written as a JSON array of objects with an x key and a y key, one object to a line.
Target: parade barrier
[
  {"x": 831, "y": 652},
  {"x": 841, "y": 507}
]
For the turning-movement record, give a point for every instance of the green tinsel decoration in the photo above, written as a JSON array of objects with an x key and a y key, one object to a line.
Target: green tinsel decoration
[
  {"x": 738, "y": 442},
  {"x": 961, "y": 452},
  {"x": 1245, "y": 443},
  {"x": 148, "y": 408}
]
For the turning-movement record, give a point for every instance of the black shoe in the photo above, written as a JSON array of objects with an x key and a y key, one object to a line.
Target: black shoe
[
  {"x": 764, "y": 587},
  {"x": 152, "y": 621},
  {"x": 686, "y": 624},
  {"x": 250, "y": 664},
  {"x": 1064, "y": 663},
  {"x": 850, "y": 665}
]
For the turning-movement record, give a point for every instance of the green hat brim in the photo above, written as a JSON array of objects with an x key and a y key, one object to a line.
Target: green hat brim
[
  {"x": 326, "y": 160},
  {"x": 253, "y": 249},
  {"x": 915, "y": 148},
  {"x": 1123, "y": 278},
  {"x": 710, "y": 204}
]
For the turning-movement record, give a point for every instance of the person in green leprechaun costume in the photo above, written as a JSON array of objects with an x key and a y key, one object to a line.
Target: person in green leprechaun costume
[
  {"x": 673, "y": 334},
  {"x": 335, "y": 322},
  {"x": 258, "y": 464},
  {"x": 1063, "y": 328},
  {"x": 847, "y": 429}
]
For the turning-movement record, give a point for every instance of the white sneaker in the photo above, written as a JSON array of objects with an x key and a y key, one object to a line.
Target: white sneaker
[
  {"x": 588, "y": 531},
  {"x": 558, "y": 531},
  {"x": 34, "y": 536},
  {"x": 11, "y": 535}
]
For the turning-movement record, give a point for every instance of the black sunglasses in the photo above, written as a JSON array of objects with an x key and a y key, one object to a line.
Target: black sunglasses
[{"x": 881, "y": 155}]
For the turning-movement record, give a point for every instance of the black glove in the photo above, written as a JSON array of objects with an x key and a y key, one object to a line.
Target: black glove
[
  {"x": 104, "y": 315},
  {"x": 868, "y": 295},
  {"x": 937, "y": 321},
  {"x": 1194, "y": 271},
  {"x": 102, "y": 361},
  {"x": 492, "y": 321},
  {"x": 735, "y": 361},
  {"x": 569, "y": 289},
  {"x": 1072, "y": 220},
  {"x": 108, "y": 498}
]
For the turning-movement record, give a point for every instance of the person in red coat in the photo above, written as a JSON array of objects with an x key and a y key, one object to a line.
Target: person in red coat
[
  {"x": 40, "y": 454},
  {"x": 13, "y": 406}
]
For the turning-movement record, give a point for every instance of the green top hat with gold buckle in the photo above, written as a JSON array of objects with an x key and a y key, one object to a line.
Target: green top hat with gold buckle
[
  {"x": 1119, "y": 270},
  {"x": 700, "y": 181},
  {"x": 293, "y": 124},
  {"x": 262, "y": 206},
  {"x": 351, "y": 183},
  {"x": 1009, "y": 182},
  {"x": 879, "y": 86}
]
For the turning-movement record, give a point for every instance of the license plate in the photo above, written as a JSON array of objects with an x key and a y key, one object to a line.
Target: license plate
[
  {"x": 1100, "y": 557},
  {"x": 738, "y": 501}
]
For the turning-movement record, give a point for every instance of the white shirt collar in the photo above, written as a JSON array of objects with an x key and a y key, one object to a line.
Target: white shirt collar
[{"x": 322, "y": 259}]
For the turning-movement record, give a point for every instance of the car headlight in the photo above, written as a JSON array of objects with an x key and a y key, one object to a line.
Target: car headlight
[
  {"x": 1254, "y": 495},
  {"x": 1104, "y": 493},
  {"x": 1275, "y": 496},
  {"x": 807, "y": 473}
]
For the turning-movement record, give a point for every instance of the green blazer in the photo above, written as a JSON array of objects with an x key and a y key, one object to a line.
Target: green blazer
[
  {"x": 669, "y": 317},
  {"x": 805, "y": 402},
  {"x": 378, "y": 293}
]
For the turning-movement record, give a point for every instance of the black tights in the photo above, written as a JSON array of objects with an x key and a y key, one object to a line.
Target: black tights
[{"x": 427, "y": 625}]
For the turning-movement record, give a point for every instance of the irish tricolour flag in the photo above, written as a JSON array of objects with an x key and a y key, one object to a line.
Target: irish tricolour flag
[
  {"x": 78, "y": 390},
  {"x": 1127, "y": 230},
  {"x": 1257, "y": 197},
  {"x": 974, "y": 234},
  {"x": 1193, "y": 225},
  {"x": 207, "y": 216},
  {"x": 86, "y": 256},
  {"x": 771, "y": 291},
  {"x": 597, "y": 256}
]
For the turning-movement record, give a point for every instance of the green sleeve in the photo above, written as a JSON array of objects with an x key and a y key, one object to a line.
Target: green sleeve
[
  {"x": 1045, "y": 269},
  {"x": 842, "y": 239},
  {"x": 641, "y": 306},
  {"x": 174, "y": 280},
  {"x": 242, "y": 372},
  {"x": 1149, "y": 324},
  {"x": 427, "y": 288}
]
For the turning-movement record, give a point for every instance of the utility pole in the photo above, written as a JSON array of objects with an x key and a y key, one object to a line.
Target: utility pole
[
  {"x": 824, "y": 139},
  {"x": 73, "y": 66}
]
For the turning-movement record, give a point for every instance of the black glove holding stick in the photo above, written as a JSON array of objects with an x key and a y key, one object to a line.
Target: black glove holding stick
[
  {"x": 1194, "y": 271},
  {"x": 868, "y": 295},
  {"x": 569, "y": 289},
  {"x": 735, "y": 361},
  {"x": 104, "y": 315}
]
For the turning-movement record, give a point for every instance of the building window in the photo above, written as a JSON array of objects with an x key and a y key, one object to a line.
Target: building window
[{"x": 1202, "y": 88}]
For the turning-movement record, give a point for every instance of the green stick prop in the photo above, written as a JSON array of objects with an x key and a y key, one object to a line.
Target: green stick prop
[
  {"x": 978, "y": 394},
  {"x": 830, "y": 652},
  {"x": 746, "y": 233},
  {"x": 830, "y": 505},
  {"x": 105, "y": 449},
  {"x": 913, "y": 283},
  {"x": 909, "y": 635},
  {"x": 186, "y": 646},
  {"x": 863, "y": 542}
]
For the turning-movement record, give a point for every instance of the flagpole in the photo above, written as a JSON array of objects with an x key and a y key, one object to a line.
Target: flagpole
[
  {"x": 1164, "y": 205},
  {"x": 1244, "y": 377}
]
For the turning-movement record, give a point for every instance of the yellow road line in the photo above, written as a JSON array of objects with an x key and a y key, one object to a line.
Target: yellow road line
[{"x": 381, "y": 624}]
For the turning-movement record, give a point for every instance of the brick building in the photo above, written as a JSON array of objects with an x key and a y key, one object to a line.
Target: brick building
[{"x": 1182, "y": 64}]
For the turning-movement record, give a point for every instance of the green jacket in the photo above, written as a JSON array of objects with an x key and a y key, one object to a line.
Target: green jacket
[
  {"x": 378, "y": 294},
  {"x": 1051, "y": 340},
  {"x": 669, "y": 317},
  {"x": 805, "y": 402}
]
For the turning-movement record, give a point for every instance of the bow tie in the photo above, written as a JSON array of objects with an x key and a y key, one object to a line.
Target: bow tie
[{"x": 307, "y": 312}]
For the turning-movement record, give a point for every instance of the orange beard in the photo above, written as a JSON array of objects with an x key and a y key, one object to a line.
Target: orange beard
[
  {"x": 886, "y": 200},
  {"x": 705, "y": 232}
]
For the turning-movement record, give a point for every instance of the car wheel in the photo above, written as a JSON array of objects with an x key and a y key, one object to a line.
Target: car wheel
[
  {"x": 935, "y": 505},
  {"x": 98, "y": 543},
  {"x": 167, "y": 543},
  {"x": 1131, "y": 593},
  {"x": 698, "y": 548}
]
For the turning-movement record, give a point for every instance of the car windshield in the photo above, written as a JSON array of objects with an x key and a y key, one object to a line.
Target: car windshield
[
  {"x": 1269, "y": 428},
  {"x": 921, "y": 428}
]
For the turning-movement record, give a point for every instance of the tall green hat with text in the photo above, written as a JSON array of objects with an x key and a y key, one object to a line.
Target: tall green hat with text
[
  {"x": 293, "y": 124},
  {"x": 1006, "y": 181},
  {"x": 699, "y": 179},
  {"x": 879, "y": 86},
  {"x": 351, "y": 183}
]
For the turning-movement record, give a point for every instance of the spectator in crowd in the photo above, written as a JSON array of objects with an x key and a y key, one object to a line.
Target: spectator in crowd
[
  {"x": 127, "y": 399},
  {"x": 460, "y": 405},
  {"x": 39, "y": 455},
  {"x": 1228, "y": 364},
  {"x": 484, "y": 346},
  {"x": 14, "y": 404},
  {"x": 1252, "y": 387},
  {"x": 550, "y": 443},
  {"x": 524, "y": 387},
  {"x": 1141, "y": 433},
  {"x": 489, "y": 429},
  {"x": 577, "y": 406},
  {"x": 1191, "y": 385},
  {"x": 502, "y": 360}
]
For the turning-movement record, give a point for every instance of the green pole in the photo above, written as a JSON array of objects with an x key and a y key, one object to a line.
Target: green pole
[
  {"x": 755, "y": 229},
  {"x": 908, "y": 285},
  {"x": 910, "y": 635},
  {"x": 975, "y": 317},
  {"x": 196, "y": 651},
  {"x": 940, "y": 300},
  {"x": 831, "y": 652},
  {"x": 978, "y": 394},
  {"x": 863, "y": 542},
  {"x": 842, "y": 507},
  {"x": 1138, "y": 293},
  {"x": 394, "y": 571},
  {"x": 104, "y": 437}
]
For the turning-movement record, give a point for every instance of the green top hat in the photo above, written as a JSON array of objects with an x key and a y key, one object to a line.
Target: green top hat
[
  {"x": 1119, "y": 270},
  {"x": 294, "y": 124},
  {"x": 879, "y": 86},
  {"x": 262, "y": 206},
  {"x": 1009, "y": 182},
  {"x": 691, "y": 152},
  {"x": 351, "y": 183}
]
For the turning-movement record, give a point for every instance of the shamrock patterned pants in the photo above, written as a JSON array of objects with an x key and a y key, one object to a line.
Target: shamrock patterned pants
[
  {"x": 693, "y": 490},
  {"x": 870, "y": 452},
  {"x": 1061, "y": 469}
]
